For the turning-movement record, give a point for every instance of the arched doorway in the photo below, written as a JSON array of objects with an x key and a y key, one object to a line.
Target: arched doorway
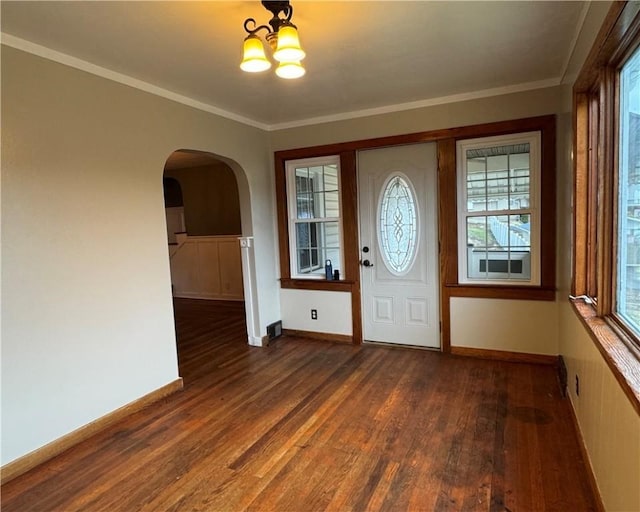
[
  {"x": 204, "y": 224},
  {"x": 173, "y": 208}
]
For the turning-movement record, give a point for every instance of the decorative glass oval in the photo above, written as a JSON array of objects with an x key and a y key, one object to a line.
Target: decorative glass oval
[{"x": 398, "y": 224}]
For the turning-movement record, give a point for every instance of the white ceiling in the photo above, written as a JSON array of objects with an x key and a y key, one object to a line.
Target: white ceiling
[{"x": 360, "y": 55}]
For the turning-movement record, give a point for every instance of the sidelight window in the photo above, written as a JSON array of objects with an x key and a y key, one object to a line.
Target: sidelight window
[
  {"x": 315, "y": 232},
  {"x": 498, "y": 209}
]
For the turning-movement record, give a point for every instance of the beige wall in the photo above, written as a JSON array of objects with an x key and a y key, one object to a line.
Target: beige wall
[
  {"x": 464, "y": 113},
  {"x": 469, "y": 316},
  {"x": 511, "y": 325},
  {"x": 610, "y": 425},
  {"x": 85, "y": 271},
  {"x": 334, "y": 311},
  {"x": 211, "y": 201}
]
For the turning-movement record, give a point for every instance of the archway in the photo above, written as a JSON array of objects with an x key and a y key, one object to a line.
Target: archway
[{"x": 208, "y": 210}]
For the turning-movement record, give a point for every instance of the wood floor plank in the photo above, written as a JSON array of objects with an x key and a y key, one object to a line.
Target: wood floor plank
[{"x": 311, "y": 426}]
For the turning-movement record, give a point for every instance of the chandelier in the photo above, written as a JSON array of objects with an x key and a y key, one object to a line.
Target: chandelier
[{"x": 282, "y": 36}]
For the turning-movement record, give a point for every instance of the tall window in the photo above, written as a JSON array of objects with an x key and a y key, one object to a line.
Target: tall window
[
  {"x": 606, "y": 153},
  {"x": 628, "y": 235},
  {"x": 498, "y": 209},
  {"x": 315, "y": 234},
  {"x": 607, "y": 190}
]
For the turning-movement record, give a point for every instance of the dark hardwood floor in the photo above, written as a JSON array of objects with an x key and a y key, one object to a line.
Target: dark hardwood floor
[{"x": 308, "y": 426}]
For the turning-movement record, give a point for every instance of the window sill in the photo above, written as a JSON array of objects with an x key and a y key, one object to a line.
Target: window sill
[
  {"x": 317, "y": 284},
  {"x": 621, "y": 359},
  {"x": 501, "y": 292}
]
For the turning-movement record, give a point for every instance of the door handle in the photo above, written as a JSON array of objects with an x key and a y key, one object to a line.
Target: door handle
[{"x": 366, "y": 263}]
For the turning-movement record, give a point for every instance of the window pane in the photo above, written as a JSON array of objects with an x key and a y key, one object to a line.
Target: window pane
[
  {"x": 499, "y": 247},
  {"x": 303, "y": 235},
  {"x": 330, "y": 178},
  {"x": 305, "y": 204},
  {"x": 329, "y": 234},
  {"x": 304, "y": 194},
  {"x": 520, "y": 230},
  {"x": 304, "y": 260},
  {"x": 476, "y": 183},
  {"x": 628, "y": 285},
  {"x": 477, "y": 231},
  {"x": 317, "y": 194},
  {"x": 331, "y": 204},
  {"x": 499, "y": 228},
  {"x": 316, "y": 242},
  {"x": 498, "y": 178},
  {"x": 302, "y": 180}
]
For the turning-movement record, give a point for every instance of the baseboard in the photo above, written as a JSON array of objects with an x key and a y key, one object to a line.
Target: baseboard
[
  {"x": 593, "y": 484},
  {"x": 30, "y": 460},
  {"x": 325, "y": 336},
  {"x": 199, "y": 296},
  {"x": 503, "y": 355},
  {"x": 258, "y": 341}
]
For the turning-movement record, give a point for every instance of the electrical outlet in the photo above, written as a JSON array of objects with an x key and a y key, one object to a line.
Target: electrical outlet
[
  {"x": 314, "y": 314},
  {"x": 577, "y": 386}
]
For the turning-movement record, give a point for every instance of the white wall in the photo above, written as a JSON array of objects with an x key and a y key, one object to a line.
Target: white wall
[
  {"x": 334, "y": 311},
  {"x": 85, "y": 270}
]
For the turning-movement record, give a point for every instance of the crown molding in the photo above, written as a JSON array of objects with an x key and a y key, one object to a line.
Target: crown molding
[
  {"x": 442, "y": 100},
  {"x": 83, "y": 65},
  {"x": 74, "y": 62},
  {"x": 569, "y": 79}
]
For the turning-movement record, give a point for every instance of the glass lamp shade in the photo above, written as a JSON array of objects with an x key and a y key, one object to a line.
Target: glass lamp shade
[
  {"x": 254, "y": 59},
  {"x": 288, "y": 49},
  {"x": 290, "y": 70}
]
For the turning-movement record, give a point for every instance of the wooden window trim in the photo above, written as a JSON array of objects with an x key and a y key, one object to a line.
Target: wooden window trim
[
  {"x": 447, "y": 186},
  {"x": 595, "y": 146},
  {"x": 449, "y": 230},
  {"x": 619, "y": 353},
  {"x": 292, "y": 219},
  {"x": 447, "y": 200},
  {"x": 348, "y": 219},
  {"x": 533, "y": 209}
]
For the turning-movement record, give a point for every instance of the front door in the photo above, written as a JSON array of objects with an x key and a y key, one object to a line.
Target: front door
[{"x": 399, "y": 244}]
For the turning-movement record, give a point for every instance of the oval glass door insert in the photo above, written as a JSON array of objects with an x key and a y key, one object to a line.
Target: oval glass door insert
[{"x": 397, "y": 224}]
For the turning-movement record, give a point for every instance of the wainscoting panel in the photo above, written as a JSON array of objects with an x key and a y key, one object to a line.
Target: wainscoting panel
[{"x": 207, "y": 267}]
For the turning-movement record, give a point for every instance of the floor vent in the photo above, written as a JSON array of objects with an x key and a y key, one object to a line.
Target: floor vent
[{"x": 274, "y": 330}]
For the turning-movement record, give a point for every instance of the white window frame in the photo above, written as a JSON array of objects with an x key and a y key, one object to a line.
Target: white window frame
[
  {"x": 292, "y": 205},
  {"x": 534, "y": 139}
]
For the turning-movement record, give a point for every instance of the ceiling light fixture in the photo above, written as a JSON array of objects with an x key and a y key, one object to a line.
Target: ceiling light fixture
[{"x": 282, "y": 37}]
